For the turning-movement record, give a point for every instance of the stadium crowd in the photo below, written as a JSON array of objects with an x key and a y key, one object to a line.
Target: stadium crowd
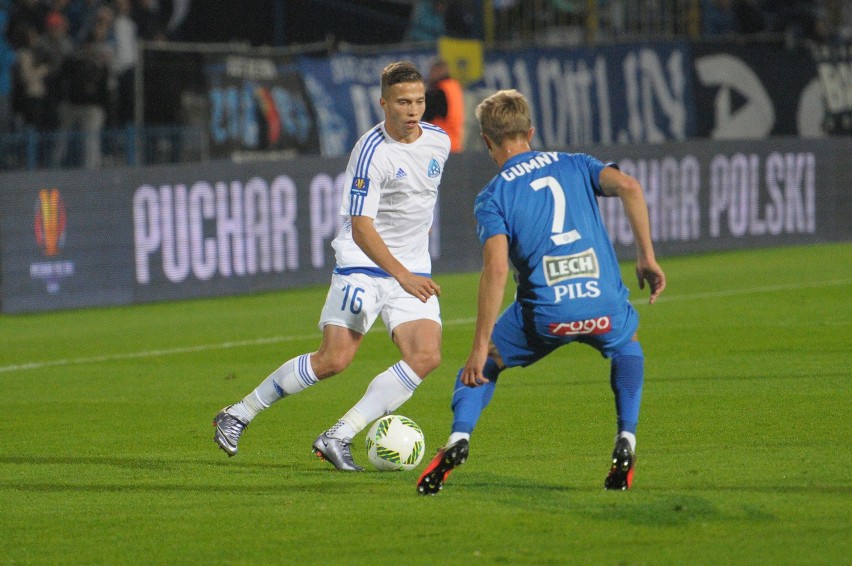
[
  {"x": 816, "y": 20},
  {"x": 69, "y": 64}
]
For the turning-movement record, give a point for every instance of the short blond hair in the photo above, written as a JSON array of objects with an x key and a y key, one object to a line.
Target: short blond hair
[{"x": 504, "y": 115}]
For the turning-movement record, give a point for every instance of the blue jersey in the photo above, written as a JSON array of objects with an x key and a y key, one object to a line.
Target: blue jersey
[{"x": 566, "y": 269}]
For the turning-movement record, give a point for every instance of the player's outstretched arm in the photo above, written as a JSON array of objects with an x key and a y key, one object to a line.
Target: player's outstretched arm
[
  {"x": 492, "y": 286},
  {"x": 615, "y": 183}
]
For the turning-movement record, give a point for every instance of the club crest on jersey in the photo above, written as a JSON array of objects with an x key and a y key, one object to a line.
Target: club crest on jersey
[
  {"x": 360, "y": 186},
  {"x": 434, "y": 169},
  {"x": 562, "y": 268}
]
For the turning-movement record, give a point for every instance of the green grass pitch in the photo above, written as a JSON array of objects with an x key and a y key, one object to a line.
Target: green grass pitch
[{"x": 107, "y": 457}]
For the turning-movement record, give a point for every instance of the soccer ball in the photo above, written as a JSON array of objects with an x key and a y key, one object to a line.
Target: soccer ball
[{"x": 395, "y": 442}]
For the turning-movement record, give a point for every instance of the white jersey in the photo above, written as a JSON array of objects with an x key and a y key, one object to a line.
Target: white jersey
[{"x": 395, "y": 184}]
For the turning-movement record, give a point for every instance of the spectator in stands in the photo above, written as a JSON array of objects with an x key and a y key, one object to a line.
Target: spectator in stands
[
  {"x": 85, "y": 85},
  {"x": 54, "y": 47},
  {"x": 844, "y": 22},
  {"x": 445, "y": 104},
  {"x": 508, "y": 14},
  {"x": 30, "y": 79},
  {"x": 124, "y": 32},
  {"x": 60, "y": 6},
  {"x": 149, "y": 20},
  {"x": 84, "y": 19},
  {"x": 749, "y": 16},
  {"x": 721, "y": 17},
  {"x": 461, "y": 19},
  {"x": 7, "y": 62},
  {"x": 717, "y": 17},
  {"x": 802, "y": 19},
  {"x": 427, "y": 21},
  {"x": 30, "y": 12},
  {"x": 177, "y": 17}
]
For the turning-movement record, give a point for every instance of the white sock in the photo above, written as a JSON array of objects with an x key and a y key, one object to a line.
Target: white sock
[
  {"x": 631, "y": 438},
  {"x": 293, "y": 376},
  {"x": 456, "y": 436},
  {"x": 386, "y": 393}
]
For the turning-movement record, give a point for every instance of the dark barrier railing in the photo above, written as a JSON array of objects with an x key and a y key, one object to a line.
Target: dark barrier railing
[{"x": 33, "y": 150}]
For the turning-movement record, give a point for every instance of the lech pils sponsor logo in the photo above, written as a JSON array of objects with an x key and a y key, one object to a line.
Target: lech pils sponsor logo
[{"x": 562, "y": 268}]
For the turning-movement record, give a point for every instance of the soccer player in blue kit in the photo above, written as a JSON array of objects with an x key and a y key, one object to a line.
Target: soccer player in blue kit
[{"x": 541, "y": 214}]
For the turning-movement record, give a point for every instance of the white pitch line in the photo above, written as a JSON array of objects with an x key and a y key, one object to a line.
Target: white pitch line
[
  {"x": 185, "y": 350},
  {"x": 749, "y": 291},
  {"x": 455, "y": 322}
]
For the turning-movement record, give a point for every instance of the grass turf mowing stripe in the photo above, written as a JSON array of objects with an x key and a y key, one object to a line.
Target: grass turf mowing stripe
[
  {"x": 454, "y": 322},
  {"x": 181, "y": 350}
]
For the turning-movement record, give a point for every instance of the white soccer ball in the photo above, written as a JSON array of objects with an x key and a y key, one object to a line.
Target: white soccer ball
[{"x": 395, "y": 442}]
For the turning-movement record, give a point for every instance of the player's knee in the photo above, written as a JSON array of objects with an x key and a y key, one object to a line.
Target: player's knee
[
  {"x": 328, "y": 363},
  {"x": 435, "y": 361},
  {"x": 424, "y": 362},
  {"x": 632, "y": 348}
]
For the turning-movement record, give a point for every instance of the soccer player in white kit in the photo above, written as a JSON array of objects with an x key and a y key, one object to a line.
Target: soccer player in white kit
[{"x": 383, "y": 268}]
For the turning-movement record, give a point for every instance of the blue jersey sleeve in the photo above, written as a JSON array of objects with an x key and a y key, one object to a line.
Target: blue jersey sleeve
[
  {"x": 594, "y": 166},
  {"x": 490, "y": 221}
]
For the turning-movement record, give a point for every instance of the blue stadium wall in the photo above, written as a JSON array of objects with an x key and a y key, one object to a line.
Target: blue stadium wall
[{"x": 71, "y": 239}]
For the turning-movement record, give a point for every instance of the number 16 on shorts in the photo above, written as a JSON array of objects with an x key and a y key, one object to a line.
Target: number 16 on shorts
[{"x": 351, "y": 303}]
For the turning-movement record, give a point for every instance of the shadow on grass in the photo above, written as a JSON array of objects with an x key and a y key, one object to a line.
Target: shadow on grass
[
  {"x": 191, "y": 476},
  {"x": 132, "y": 463},
  {"x": 642, "y": 507},
  {"x": 602, "y": 379}
]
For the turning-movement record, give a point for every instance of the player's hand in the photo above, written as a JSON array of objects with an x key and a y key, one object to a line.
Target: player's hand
[
  {"x": 472, "y": 375},
  {"x": 653, "y": 274},
  {"x": 420, "y": 287}
]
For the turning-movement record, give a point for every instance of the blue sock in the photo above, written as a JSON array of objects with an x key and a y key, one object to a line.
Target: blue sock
[
  {"x": 469, "y": 402},
  {"x": 627, "y": 373}
]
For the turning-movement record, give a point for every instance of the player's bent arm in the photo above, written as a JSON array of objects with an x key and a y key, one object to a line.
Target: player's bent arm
[
  {"x": 615, "y": 183},
  {"x": 492, "y": 287},
  {"x": 371, "y": 243}
]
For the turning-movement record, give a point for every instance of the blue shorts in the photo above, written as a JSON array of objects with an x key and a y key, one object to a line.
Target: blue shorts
[{"x": 521, "y": 340}]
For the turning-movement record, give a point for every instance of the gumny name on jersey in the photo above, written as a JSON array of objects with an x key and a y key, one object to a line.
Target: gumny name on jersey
[{"x": 519, "y": 169}]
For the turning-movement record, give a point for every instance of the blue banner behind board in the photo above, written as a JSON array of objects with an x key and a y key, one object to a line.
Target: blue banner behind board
[
  {"x": 624, "y": 93},
  {"x": 268, "y": 104},
  {"x": 258, "y": 105},
  {"x": 619, "y": 93}
]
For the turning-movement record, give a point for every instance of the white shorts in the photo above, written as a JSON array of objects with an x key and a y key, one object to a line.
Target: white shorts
[{"x": 355, "y": 301}]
